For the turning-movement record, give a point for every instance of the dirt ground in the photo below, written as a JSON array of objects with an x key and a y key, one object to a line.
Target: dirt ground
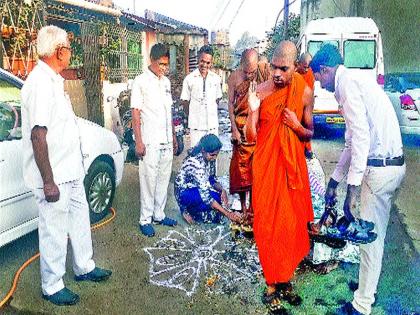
[{"x": 120, "y": 247}]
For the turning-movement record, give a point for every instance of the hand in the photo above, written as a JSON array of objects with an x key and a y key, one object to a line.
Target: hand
[
  {"x": 234, "y": 217},
  {"x": 350, "y": 202},
  {"x": 290, "y": 119},
  {"x": 236, "y": 136},
  {"x": 224, "y": 198},
  {"x": 140, "y": 150},
  {"x": 331, "y": 193},
  {"x": 253, "y": 99},
  {"x": 51, "y": 192},
  {"x": 175, "y": 144}
]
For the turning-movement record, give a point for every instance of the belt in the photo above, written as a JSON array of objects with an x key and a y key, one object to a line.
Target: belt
[{"x": 397, "y": 161}]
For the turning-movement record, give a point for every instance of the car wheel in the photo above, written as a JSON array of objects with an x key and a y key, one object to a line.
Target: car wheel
[{"x": 100, "y": 189}]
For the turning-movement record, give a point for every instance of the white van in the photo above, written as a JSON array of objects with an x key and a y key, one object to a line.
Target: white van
[{"x": 359, "y": 41}]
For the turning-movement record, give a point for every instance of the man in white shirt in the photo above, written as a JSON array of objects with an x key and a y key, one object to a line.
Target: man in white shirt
[
  {"x": 151, "y": 103},
  {"x": 372, "y": 160},
  {"x": 53, "y": 169},
  {"x": 201, "y": 92}
]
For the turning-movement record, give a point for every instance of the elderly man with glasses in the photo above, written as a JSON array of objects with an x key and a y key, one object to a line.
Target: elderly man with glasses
[{"x": 53, "y": 169}]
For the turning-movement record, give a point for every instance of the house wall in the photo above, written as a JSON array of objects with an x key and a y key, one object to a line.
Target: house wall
[{"x": 398, "y": 22}]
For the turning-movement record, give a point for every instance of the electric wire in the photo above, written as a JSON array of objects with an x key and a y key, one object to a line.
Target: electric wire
[{"x": 15, "y": 281}]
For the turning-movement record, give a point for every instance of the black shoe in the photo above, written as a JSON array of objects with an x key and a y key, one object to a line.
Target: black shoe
[
  {"x": 62, "y": 297},
  {"x": 347, "y": 309},
  {"x": 96, "y": 275}
]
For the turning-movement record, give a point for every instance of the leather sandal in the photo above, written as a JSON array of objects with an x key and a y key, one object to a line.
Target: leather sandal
[
  {"x": 274, "y": 303},
  {"x": 352, "y": 232}
]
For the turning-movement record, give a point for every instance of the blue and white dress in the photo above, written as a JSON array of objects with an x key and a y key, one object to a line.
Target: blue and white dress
[{"x": 194, "y": 189}]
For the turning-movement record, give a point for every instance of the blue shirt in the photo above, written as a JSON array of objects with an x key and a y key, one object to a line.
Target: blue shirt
[{"x": 196, "y": 172}]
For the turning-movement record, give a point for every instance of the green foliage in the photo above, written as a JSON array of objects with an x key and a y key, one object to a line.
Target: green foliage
[
  {"x": 221, "y": 56},
  {"x": 277, "y": 34}
]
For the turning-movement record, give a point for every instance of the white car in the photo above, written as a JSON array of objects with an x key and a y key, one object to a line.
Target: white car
[
  {"x": 103, "y": 160},
  {"x": 404, "y": 93}
]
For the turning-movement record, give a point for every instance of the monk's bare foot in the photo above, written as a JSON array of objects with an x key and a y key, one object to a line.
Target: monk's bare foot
[{"x": 187, "y": 217}]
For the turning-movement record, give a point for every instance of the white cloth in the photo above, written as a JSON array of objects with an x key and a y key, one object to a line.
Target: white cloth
[
  {"x": 196, "y": 135},
  {"x": 152, "y": 96},
  {"x": 372, "y": 129},
  {"x": 202, "y": 95},
  {"x": 378, "y": 188},
  {"x": 154, "y": 173},
  {"x": 68, "y": 217},
  {"x": 45, "y": 104}
]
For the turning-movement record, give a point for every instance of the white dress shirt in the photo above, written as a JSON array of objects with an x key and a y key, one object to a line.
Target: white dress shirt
[
  {"x": 372, "y": 129},
  {"x": 202, "y": 95},
  {"x": 152, "y": 96},
  {"x": 45, "y": 104}
]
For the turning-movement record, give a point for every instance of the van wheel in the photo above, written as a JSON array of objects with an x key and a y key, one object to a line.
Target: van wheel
[{"x": 100, "y": 189}]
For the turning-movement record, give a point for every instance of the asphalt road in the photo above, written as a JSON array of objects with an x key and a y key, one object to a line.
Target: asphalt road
[{"x": 120, "y": 247}]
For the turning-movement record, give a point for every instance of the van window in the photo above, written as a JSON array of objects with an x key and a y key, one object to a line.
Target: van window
[
  {"x": 359, "y": 54},
  {"x": 314, "y": 46}
]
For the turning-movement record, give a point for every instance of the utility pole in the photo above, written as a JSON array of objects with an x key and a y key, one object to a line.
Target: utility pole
[{"x": 286, "y": 18}]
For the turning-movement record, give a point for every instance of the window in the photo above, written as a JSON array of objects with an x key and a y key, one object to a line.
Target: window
[
  {"x": 10, "y": 119},
  {"x": 359, "y": 54},
  {"x": 314, "y": 46}
]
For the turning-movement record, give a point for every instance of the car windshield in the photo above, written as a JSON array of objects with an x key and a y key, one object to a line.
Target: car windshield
[
  {"x": 314, "y": 46},
  {"x": 359, "y": 54},
  {"x": 10, "y": 121}
]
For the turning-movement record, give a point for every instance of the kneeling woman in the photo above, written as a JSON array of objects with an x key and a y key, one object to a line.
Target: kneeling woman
[{"x": 200, "y": 197}]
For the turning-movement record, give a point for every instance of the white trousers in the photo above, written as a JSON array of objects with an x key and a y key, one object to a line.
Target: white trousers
[
  {"x": 196, "y": 135},
  {"x": 154, "y": 174},
  {"x": 378, "y": 189},
  {"x": 58, "y": 221}
]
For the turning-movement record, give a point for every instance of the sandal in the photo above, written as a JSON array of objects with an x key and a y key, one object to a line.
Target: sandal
[
  {"x": 317, "y": 236},
  {"x": 352, "y": 232},
  {"x": 286, "y": 293},
  {"x": 274, "y": 303}
]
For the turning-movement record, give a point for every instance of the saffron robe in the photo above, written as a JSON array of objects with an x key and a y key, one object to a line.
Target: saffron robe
[
  {"x": 281, "y": 194},
  {"x": 240, "y": 173}
]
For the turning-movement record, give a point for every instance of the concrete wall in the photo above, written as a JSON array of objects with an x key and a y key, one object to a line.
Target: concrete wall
[{"x": 398, "y": 21}]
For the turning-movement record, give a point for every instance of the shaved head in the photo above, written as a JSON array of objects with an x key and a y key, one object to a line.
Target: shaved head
[
  {"x": 283, "y": 63},
  {"x": 287, "y": 50},
  {"x": 249, "y": 63},
  {"x": 305, "y": 58},
  {"x": 249, "y": 56},
  {"x": 303, "y": 63}
]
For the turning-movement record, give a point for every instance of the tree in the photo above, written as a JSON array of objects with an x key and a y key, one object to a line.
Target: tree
[
  {"x": 277, "y": 34},
  {"x": 246, "y": 41}
]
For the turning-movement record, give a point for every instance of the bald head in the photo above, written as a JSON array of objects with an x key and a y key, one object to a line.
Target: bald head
[
  {"x": 305, "y": 58},
  {"x": 249, "y": 63},
  {"x": 287, "y": 50},
  {"x": 303, "y": 63},
  {"x": 283, "y": 63},
  {"x": 249, "y": 56}
]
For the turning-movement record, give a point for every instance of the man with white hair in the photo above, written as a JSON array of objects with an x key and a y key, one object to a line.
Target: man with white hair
[{"x": 53, "y": 169}]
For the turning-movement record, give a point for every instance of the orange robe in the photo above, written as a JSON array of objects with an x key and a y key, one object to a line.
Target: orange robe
[
  {"x": 240, "y": 171},
  {"x": 310, "y": 81},
  {"x": 309, "y": 78},
  {"x": 281, "y": 195}
]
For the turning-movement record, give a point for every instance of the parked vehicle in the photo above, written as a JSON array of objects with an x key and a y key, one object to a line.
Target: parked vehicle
[
  {"x": 360, "y": 44},
  {"x": 178, "y": 120},
  {"x": 103, "y": 160},
  {"x": 403, "y": 90}
]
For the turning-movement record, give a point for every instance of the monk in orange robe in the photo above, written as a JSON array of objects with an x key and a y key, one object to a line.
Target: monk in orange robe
[
  {"x": 306, "y": 72},
  {"x": 240, "y": 164},
  {"x": 281, "y": 195}
]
